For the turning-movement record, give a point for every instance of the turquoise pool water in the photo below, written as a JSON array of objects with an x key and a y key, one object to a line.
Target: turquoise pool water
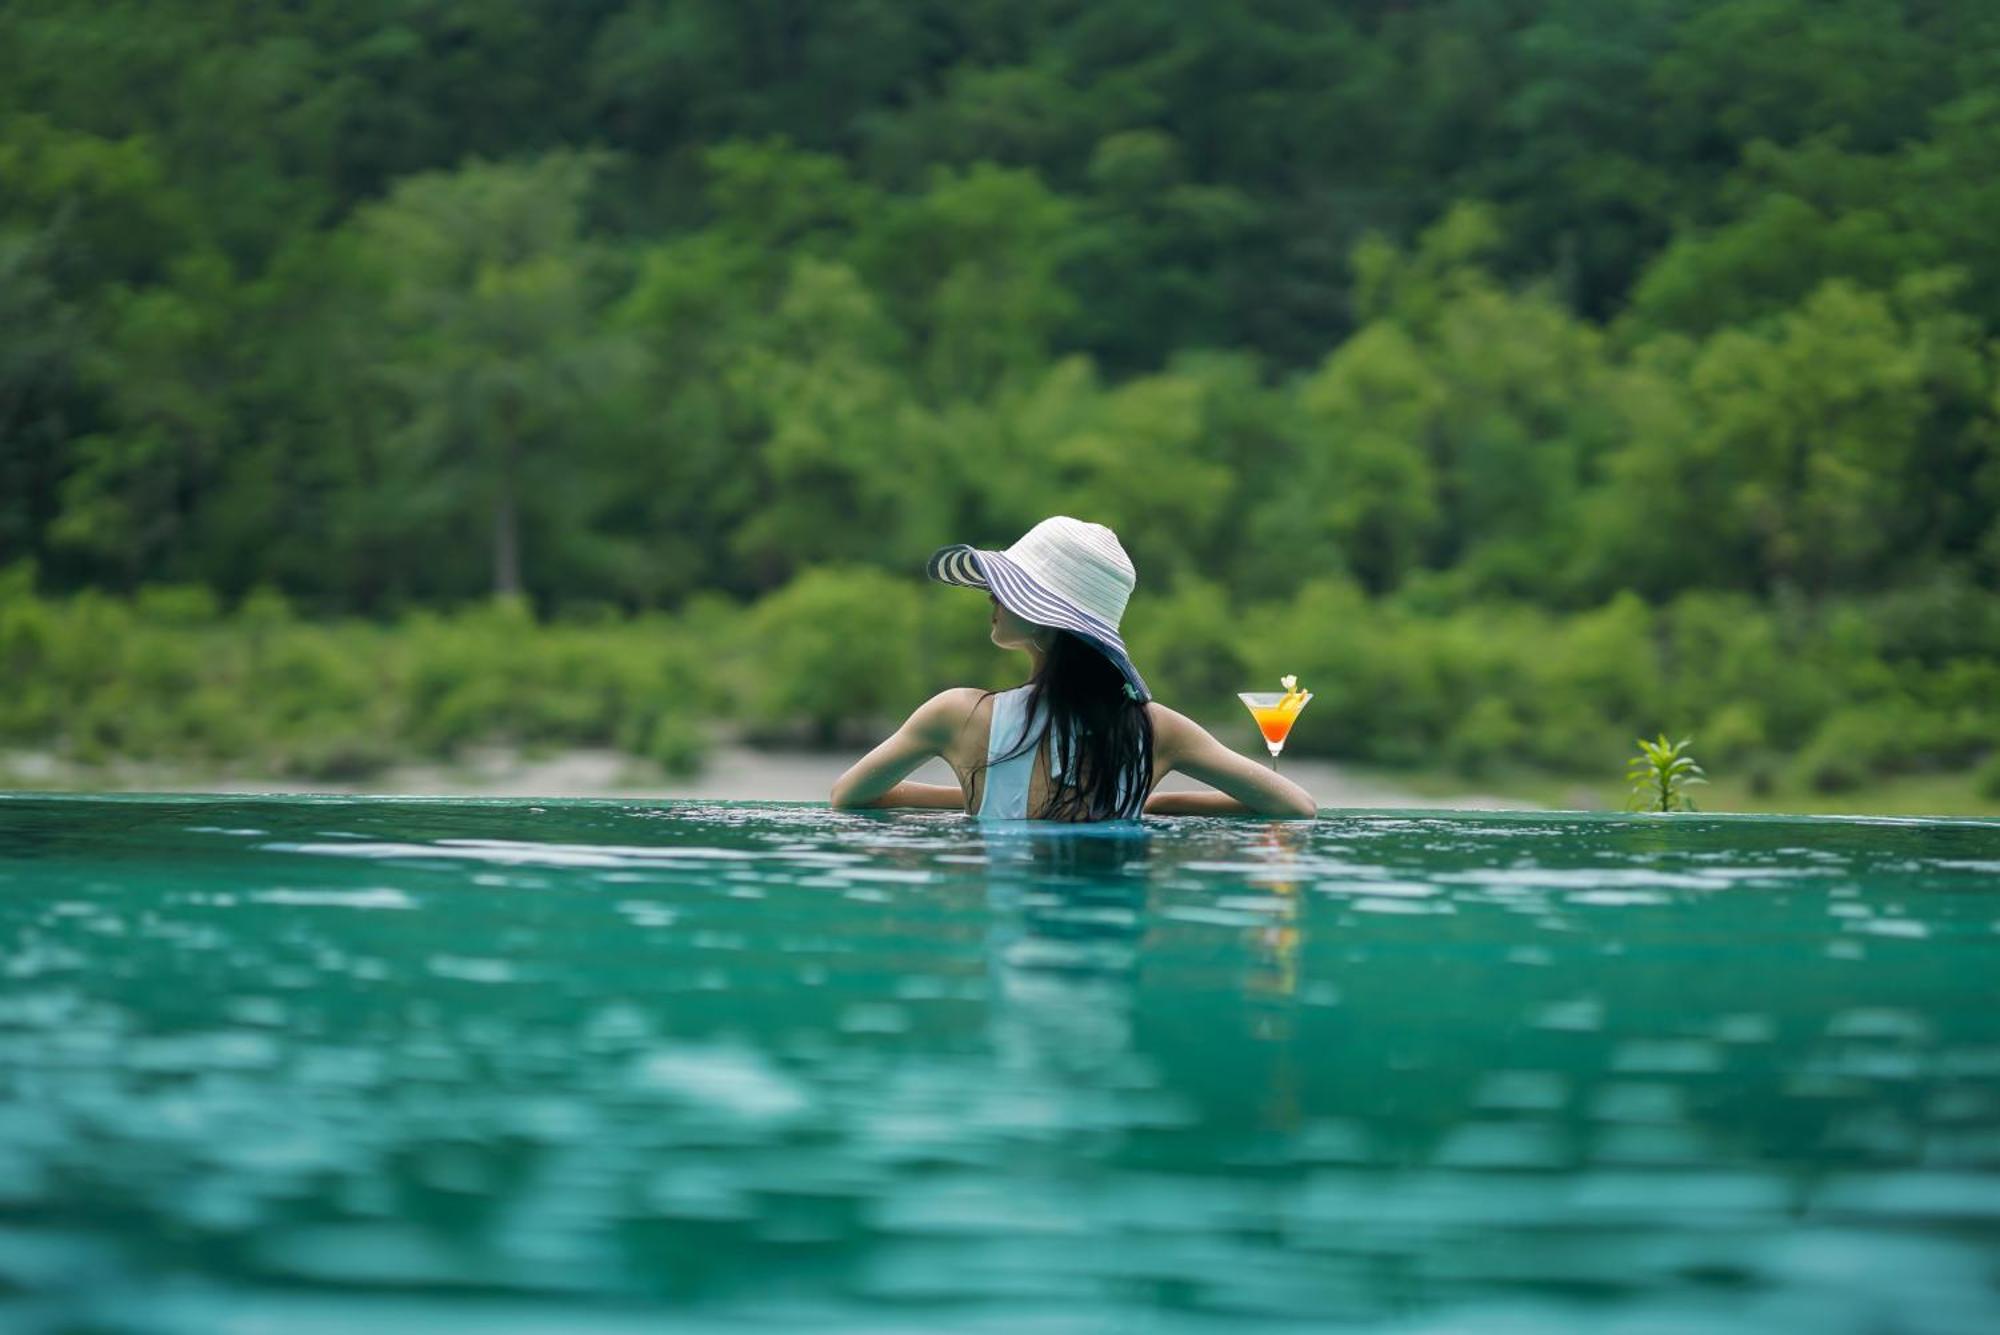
[{"x": 316, "y": 1064}]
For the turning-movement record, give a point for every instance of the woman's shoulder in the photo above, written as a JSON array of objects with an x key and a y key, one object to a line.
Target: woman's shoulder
[
  {"x": 1170, "y": 726},
  {"x": 945, "y": 714}
]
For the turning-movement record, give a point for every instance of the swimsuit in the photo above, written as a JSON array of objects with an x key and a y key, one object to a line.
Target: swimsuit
[{"x": 1006, "y": 794}]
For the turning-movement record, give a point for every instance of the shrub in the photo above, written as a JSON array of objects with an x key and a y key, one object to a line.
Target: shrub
[
  {"x": 1734, "y": 733},
  {"x": 338, "y": 758},
  {"x": 1189, "y": 645},
  {"x": 1988, "y": 779},
  {"x": 835, "y": 648},
  {"x": 168, "y": 676},
  {"x": 672, "y": 741},
  {"x": 1489, "y": 733},
  {"x": 1850, "y": 747},
  {"x": 1839, "y": 692}
]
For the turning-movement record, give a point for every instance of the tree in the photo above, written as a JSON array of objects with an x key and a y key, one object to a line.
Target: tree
[
  {"x": 1786, "y": 464},
  {"x": 492, "y": 353}
]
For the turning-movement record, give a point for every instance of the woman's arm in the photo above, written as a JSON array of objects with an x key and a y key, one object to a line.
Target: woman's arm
[
  {"x": 876, "y": 780},
  {"x": 943, "y": 796},
  {"x": 1194, "y": 804},
  {"x": 1245, "y": 787}
]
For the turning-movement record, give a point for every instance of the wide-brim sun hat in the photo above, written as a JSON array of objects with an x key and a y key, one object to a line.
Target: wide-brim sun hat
[{"x": 1064, "y": 572}]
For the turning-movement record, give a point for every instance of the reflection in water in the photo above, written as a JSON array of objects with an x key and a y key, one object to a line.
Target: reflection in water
[
  {"x": 1069, "y": 920},
  {"x": 1280, "y": 845},
  {"x": 318, "y": 1064},
  {"x": 1276, "y": 977}
]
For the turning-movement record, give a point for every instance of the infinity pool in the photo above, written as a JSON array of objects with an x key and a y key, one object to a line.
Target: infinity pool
[{"x": 318, "y": 1065}]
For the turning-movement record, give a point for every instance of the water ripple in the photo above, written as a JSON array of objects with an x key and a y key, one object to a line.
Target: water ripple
[{"x": 317, "y": 1064}]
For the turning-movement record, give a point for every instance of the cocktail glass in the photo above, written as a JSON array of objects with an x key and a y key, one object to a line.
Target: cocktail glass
[{"x": 1275, "y": 712}]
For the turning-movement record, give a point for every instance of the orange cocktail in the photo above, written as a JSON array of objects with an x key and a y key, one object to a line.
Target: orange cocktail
[{"x": 1276, "y": 712}]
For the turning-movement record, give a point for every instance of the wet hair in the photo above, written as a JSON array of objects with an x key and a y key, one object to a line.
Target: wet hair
[{"x": 1103, "y": 739}]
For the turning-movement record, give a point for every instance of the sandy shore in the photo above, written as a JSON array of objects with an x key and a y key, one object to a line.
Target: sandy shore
[{"x": 733, "y": 772}]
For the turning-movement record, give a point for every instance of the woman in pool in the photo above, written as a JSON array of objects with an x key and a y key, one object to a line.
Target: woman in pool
[{"x": 1083, "y": 739}]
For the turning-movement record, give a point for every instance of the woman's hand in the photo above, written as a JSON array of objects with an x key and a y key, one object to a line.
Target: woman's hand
[
  {"x": 1244, "y": 787},
  {"x": 876, "y": 780}
]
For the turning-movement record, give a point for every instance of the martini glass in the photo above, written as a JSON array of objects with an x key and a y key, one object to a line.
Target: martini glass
[{"x": 1275, "y": 712}]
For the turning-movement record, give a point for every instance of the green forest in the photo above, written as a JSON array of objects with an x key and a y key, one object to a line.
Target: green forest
[{"x": 383, "y": 378}]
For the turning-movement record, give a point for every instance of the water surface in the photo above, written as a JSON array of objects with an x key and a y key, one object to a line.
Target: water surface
[{"x": 306, "y": 1064}]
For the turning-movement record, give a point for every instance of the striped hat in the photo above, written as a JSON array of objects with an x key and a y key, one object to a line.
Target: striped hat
[{"x": 1064, "y": 573}]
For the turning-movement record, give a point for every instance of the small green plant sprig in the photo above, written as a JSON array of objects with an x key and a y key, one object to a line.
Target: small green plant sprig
[{"x": 1661, "y": 774}]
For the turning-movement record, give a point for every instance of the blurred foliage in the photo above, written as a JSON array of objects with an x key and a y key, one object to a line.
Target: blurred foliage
[
  {"x": 168, "y": 676},
  {"x": 1524, "y": 375},
  {"x": 1826, "y": 697}
]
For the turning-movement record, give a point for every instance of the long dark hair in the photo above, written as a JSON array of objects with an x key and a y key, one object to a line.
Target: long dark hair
[{"x": 1103, "y": 739}]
